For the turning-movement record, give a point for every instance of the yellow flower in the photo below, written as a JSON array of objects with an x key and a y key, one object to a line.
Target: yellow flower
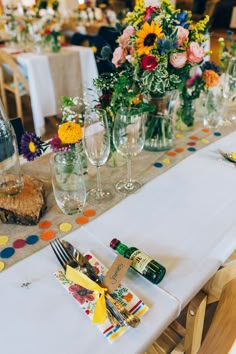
[
  {"x": 70, "y": 133},
  {"x": 32, "y": 147},
  {"x": 147, "y": 37}
]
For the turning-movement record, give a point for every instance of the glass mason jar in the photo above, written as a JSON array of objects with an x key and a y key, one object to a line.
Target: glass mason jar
[
  {"x": 11, "y": 178},
  {"x": 184, "y": 119},
  {"x": 159, "y": 134},
  {"x": 68, "y": 182}
]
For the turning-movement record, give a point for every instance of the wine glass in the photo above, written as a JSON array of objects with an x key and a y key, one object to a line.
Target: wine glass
[
  {"x": 97, "y": 148},
  {"x": 128, "y": 138}
]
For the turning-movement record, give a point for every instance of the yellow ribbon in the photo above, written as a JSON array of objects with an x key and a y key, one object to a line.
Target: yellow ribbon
[{"x": 79, "y": 278}]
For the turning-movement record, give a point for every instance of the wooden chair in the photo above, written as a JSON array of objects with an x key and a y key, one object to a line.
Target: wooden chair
[
  {"x": 179, "y": 339},
  {"x": 12, "y": 80}
]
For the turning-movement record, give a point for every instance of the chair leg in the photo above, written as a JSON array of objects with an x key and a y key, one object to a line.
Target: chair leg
[
  {"x": 194, "y": 323},
  {"x": 18, "y": 103}
]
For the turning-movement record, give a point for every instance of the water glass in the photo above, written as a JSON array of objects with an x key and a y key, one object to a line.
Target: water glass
[{"x": 68, "y": 182}]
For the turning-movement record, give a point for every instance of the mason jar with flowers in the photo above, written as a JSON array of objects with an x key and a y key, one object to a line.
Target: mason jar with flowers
[
  {"x": 68, "y": 139},
  {"x": 157, "y": 51}
]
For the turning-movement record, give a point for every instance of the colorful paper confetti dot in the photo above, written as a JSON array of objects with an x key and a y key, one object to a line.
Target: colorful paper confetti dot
[
  {"x": 2, "y": 266},
  {"x": 19, "y": 243},
  {"x": 205, "y": 141},
  {"x": 206, "y": 130},
  {"x": 65, "y": 227},
  {"x": 179, "y": 136},
  {"x": 191, "y": 143},
  {"x": 171, "y": 153},
  {"x": 158, "y": 164},
  {"x": 7, "y": 252},
  {"x": 217, "y": 133},
  {"x": 193, "y": 137},
  {"x": 47, "y": 235},
  {"x": 45, "y": 224},
  {"x": 89, "y": 212},
  {"x": 3, "y": 240},
  {"x": 166, "y": 161},
  {"x": 81, "y": 220},
  {"x": 192, "y": 149},
  {"x": 179, "y": 150},
  {"x": 32, "y": 239}
]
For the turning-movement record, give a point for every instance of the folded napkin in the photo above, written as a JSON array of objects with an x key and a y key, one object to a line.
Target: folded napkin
[{"x": 87, "y": 300}]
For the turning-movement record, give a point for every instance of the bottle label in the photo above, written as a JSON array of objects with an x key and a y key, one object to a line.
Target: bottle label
[{"x": 140, "y": 261}]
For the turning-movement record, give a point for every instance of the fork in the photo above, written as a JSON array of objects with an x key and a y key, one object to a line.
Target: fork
[{"x": 114, "y": 308}]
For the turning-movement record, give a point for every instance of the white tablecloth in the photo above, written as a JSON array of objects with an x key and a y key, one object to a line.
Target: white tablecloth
[
  {"x": 184, "y": 219},
  {"x": 43, "y": 98}
]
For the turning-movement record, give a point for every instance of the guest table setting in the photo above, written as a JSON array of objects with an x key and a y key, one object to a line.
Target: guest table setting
[
  {"x": 182, "y": 217},
  {"x": 116, "y": 222}
]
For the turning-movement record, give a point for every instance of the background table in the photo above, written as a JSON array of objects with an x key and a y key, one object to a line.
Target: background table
[{"x": 51, "y": 76}]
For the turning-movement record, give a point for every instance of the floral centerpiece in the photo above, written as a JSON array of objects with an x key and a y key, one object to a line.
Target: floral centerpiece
[
  {"x": 68, "y": 137},
  {"x": 156, "y": 53}
]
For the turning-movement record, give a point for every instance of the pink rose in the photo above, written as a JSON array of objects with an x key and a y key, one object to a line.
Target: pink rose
[
  {"x": 178, "y": 60},
  {"x": 182, "y": 35},
  {"x": 195, "y": 53},
  {"x": 129, "y": 31},
  {"x": 124, "y": 38},
  {"x": 148, "y": 62},
  {"x": 119, "y": 56}
]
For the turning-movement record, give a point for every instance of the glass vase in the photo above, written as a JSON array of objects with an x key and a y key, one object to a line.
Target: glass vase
[
  {"x": 184, "y": 120},
  {"x": 159, "y": 130}
]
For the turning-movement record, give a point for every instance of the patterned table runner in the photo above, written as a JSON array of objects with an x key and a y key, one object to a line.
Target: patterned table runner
[{"x": 18, "y": 242}]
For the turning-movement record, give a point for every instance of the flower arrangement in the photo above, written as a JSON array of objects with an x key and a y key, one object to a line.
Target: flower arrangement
[
  {"x": 161, "y": 45},
  {"x": 68, "y": 137},
  {"x": 156, "y": 53},
  {"x": 204, "y": 77}
]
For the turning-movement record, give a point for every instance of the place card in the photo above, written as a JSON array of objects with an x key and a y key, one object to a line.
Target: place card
[{"x": 116, "y": 273}]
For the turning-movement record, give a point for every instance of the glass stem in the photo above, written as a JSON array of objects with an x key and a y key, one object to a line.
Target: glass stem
[
  {"x": 129, "y": 183},
  {"x": 99, "y": 181}
]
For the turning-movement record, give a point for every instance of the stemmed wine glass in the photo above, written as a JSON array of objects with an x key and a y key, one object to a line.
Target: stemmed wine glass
[
  {"x": 128, "y": 138},
  {"x": 97, "y": 148}
]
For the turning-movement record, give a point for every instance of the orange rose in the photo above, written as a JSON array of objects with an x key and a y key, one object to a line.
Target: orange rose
[{"x": 211, "y": 78}]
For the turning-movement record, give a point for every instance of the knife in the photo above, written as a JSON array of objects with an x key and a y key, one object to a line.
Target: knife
[{"x": 114, "y": 306}]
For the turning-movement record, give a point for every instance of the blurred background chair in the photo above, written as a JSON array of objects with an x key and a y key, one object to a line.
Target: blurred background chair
[{"x": 12, "y": 80}]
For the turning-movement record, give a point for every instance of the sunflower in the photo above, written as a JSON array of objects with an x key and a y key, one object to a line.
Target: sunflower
[{"x": 147, "y": 37}]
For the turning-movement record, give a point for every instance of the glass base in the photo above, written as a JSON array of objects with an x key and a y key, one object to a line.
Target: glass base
[
  {"x": 95, "y": 196},
  {"x": 127, "y": 187},
  {"x": 156, "y": 145}
]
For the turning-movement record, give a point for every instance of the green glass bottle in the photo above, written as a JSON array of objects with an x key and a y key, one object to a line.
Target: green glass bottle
[{"x": 141, "y": 262}]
